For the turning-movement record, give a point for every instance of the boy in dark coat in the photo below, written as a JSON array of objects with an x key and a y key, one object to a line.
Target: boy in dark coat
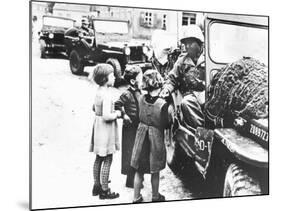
[{"x": 128, "y": 105}]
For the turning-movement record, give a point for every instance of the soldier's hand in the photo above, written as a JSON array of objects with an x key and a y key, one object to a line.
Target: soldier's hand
[{"x": 164, "y": 93}]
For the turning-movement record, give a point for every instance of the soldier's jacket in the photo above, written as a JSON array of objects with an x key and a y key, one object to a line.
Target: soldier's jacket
[
  {"x": 86, "y": 31},
  {"x": 184, "y": 76}
]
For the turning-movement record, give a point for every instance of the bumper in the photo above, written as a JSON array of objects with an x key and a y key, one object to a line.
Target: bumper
[
  {"x": 55, "y": 47},
  {"x": 243, "y": 148}
]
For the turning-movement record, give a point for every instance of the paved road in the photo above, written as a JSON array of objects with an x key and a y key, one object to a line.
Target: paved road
[{"x": 61, "y": 128}]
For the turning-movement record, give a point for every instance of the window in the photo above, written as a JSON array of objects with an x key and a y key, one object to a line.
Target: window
[
  {"x": 188, "y": 18},
  {"x": 58, "y": 22},
  {"x": 111, "y": 27},
  {"x": 229, "y": 42},
  {"x": 148, "y": 19},
  {"x": 164, "y": 22}
]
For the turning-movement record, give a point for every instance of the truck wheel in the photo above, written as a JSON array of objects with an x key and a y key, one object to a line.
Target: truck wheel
[
  {"x": 117, "y": 70},
  {"x": 43, "y": 53},
  {"x": 76, "y": 63},
  {"x": 238, "y": 183},
  {"x": 42, "y": 49}
]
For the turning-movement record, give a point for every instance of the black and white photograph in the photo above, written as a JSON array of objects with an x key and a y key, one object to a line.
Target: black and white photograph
[{"x": 136, "y": 105}]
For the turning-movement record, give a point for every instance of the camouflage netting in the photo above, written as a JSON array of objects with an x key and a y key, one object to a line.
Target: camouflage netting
[{"x": 240, "y": 88}]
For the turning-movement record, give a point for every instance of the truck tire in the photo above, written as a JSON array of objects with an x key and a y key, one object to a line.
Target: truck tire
[
  {"x": 117, "y": 70},
  {"x": 43, "y": 53},
  {"x": 76, "y": 63},
  {"x": 239, "y": 183},
  {"x": 42, "y": 49}
]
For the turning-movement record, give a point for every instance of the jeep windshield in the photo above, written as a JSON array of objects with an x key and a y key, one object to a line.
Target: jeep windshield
[
  {"x": 58, "y": 22},
  {"x": 229, "y": 42},
  {"x": 112, "y": 27}
]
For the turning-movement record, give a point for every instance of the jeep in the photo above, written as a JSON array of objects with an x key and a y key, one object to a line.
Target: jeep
[
  {"x": 232, "y": 161},
  {"x": 51, "y": 36},
  {"x": 111, "y": 43}
]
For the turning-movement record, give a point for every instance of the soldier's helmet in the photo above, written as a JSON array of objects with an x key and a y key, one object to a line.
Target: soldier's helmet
[
  {"x": 191, "y": 31},
  {"x": 85, "y": 21}
]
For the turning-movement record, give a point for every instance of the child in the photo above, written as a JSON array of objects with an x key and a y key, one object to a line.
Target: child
[
  {"x": 105, "y": 132},
  {"x": 149, "y": 153},
  {"x": 129, "y": 101}
]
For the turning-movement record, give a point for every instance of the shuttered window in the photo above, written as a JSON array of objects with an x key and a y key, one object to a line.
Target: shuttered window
[
  {"x": 188, "y": 18},
  {"x": 148, "y": 19}
]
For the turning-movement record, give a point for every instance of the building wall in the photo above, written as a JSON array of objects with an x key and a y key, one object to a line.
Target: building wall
[
  {"x": 74, "y": 11},
  {"x": 142, "y": 22},
  {"x": 160, "y": 20},
  {"x": 166, "y": 20},
  {"x": 39, "y": 9}
]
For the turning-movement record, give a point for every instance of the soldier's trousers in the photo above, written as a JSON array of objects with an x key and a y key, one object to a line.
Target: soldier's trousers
[{"x": 191, "y": 110}]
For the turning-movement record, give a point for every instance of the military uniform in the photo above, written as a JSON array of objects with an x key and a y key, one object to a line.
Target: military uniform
[
  {"x": 184, "y": 66},
  {"x": 185, "y": 77},
  {"x": 86, "y": 31}
]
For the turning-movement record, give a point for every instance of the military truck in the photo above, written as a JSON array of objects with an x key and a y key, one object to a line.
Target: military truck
[
  {"x": 111, "y": 42},
  {"x": 51, "y": 36},
  {"x": 232, "y": 160}
]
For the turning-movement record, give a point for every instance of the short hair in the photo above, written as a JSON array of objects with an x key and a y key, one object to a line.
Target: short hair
[
  {"x": 152, "y": 80},
  {"x": 131, "y": 72},
  {"x": 101, "y": 72}
]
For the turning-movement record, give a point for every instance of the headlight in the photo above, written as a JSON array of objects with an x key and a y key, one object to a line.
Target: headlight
[
  {"x": 51, "y": 35},
  {"x": 127, "y": 51},
  {"x": 145, "y": 49}
]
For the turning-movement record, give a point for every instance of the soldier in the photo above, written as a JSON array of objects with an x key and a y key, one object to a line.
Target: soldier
[
  {"x": 185, "y": 76},
  {"x": 85, "y": 30}
]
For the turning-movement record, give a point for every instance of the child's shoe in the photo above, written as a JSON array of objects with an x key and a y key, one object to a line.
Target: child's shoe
[
  {"x": 159, "y": 198},
  {"x": 107, "y": 194},
  {"x": 96, "y": 190},
  {"x": 138, "y": 200}
]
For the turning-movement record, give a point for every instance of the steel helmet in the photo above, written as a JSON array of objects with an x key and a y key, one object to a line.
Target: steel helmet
[
  {"x": 85, "y": 20},
  {"x": 191, "y": 31}
]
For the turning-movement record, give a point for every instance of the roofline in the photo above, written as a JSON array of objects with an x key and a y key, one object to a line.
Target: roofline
[{"x": 109, "y": 19}]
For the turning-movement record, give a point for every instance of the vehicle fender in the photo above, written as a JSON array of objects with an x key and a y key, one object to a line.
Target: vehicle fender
[
  {"x": 86, "y": 45},
  {"x": 243, "y": 148},
  {"x": 197, "y": 145}
]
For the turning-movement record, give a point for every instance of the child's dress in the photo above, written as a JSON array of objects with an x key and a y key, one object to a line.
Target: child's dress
[
  {"x": 149, "y": 152},
  {"x": 105, "y": 138}
]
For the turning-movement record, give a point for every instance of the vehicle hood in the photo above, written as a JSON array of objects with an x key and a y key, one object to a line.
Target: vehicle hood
[
  {"x": 117, "y": 40},
  {"x": 53, "y": 29}
]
